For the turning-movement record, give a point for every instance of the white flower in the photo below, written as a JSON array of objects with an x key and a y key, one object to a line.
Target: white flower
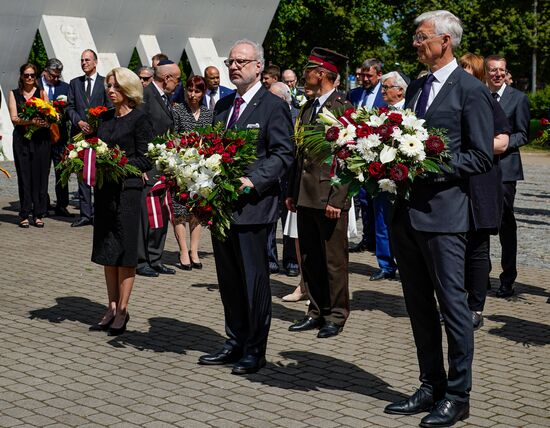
[
  {"x": 328, "y": 118},
  {"x": 345, "y": 135},
  {"x": 396, "y": 133},
  {"x": 61, "y": 98},
  {"x": 73, "y": 154},
  {"x": 375, "y": 120},
  {"x": 373, "y": 140},
  {"x": 364, "y": 150},
  {"x": 421, "y": 156},
  {"x": 84, "y": 145},
  {"x": 213, "y": 162},
  {"x": 387, "y": 185},
  {"x": 361, "y": 177},
  {"x": 387, "y": 154},
  {"x": 410, "y": 145},
  {"x": 301, "y": 99},
  {"x": 101, "y": 149},
  {"x": 412, "y": 122}
]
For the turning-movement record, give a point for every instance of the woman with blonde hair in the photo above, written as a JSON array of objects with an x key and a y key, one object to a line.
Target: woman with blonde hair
[{"x": 118, "y": 205}]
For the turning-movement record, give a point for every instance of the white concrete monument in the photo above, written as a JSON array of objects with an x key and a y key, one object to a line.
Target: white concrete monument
[{"x": 115, "y": 27}]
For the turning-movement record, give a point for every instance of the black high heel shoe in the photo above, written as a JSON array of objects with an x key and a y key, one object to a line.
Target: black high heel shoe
[
  {"x": 181, "y": 266},
  {"x": 195, "y": 265},
  {"x": 102, "y": 327},
  {"x": 118, "y": 331}
]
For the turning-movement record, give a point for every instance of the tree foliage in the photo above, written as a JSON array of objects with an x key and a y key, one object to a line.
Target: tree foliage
[{"x": 364, "y": 28}]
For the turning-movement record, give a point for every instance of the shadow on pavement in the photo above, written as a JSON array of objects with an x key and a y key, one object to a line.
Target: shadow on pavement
[
  {"x": 71, "y": 308},
  {"x": 171, "y": 335},
  {"x": 313, "y": 372},
  {"x": 371, "y": 300},
  {"x": 519, "y": 289},
  {"x": 528, "y": 333}
]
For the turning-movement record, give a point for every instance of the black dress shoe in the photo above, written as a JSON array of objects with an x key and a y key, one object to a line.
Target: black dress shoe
[
  {"x": 306, "y": 323},
  {"x": 225, "y": 356},
  {"x": 377, "y": 276},
  {"x": 360, "y": 247},
  {"x": 164, "y": 269},
  {"x": 81, "y": 221},
  {"x": 62, "y": 212},
  {"x": 273, "y": 267},
  {"x": 329, "y": 329},
  {"x": 248, "y": 364},
  {"x": 421, "y": 401},
  {"x": 477, "y": 320},
  {"x": 292, "y": 271},
  {"x": 147, "y": 271},
  {"x": 505, "y": 291},
  {"x": 118, "y": 331},
  {"x": 446, "y": 413}
]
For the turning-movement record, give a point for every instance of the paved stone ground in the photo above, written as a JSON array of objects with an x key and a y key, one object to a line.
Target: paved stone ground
[{"x": 53, "y": 372}]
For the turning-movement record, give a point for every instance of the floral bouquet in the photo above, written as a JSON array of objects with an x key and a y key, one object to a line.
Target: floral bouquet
[
  {"x": 203, "y": 167},
  {"x": 92, "y": 115},
  {"x": 378, "y": 149},
  {"x": 543, "y": 134},
  {"x": 37, "y": 107},
  {"x": 60, "y": 104},
  {"x": 95, "y": 162}
]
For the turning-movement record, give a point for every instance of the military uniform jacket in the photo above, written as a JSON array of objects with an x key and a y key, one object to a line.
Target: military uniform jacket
[{"x": 309, "y": 179}]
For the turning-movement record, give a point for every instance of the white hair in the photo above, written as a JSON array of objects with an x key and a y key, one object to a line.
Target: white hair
[
  {"x": 444, "y": 23},
  {"x": 258, "y": 49},
  {"x": 281, "y": 90},
  {"x": 397, "y": 79}
]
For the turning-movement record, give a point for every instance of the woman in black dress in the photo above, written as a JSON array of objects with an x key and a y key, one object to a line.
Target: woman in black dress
[
  {"x": 32, "y": 157},
  {"x": 118, "y": 205},
  {"x": 189, "y": 115}
]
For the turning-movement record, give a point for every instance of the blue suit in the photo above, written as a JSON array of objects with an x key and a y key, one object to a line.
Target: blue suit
[
  {"x": 373, "y": 234},
  {"x": 224, "y": 92}
]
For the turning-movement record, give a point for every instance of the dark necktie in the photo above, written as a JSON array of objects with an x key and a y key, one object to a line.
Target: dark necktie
[
  {"x": 50, "y": 93},
  {"x": 236, "y": 112},
  {"x": 165, "y": 99},
  {"x": 495, "y": 95},
  {"x": 422, "y": 103},
  {"x": 212, "y": 101},
  {"x": 366, "y": 93},
  {"x": 88, "y": 88},
  {"x": 314, "y": 108}
]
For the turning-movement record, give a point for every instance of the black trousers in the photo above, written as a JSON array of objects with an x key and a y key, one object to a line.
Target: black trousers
[
  {"x": 508, "y": 235},
  {"x": 434, "y": 263},
  {"x": 151, "y": 241},
  {"x": 289, "y": 248},
  {"x": 478, "y": 268},
  {"x": 32, "y": 160},
  {"x": 243, "y": 276},
  {"x": 61, "y": 192},
  {"x": 324, "y": 252},
  {"x": 85, "y": 198}
]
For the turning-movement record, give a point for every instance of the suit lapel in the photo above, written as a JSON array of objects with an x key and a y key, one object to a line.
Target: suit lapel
[
  {"x": 444, "y": 92},
  {"x": 96, "y": 91},
  {"x": 506, "y": 96},
  {"x": 160, "y": 101},
  {"x": 250, "y": 107}
]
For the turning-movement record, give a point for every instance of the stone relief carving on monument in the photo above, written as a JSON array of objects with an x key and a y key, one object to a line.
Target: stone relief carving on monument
[{"x": 70, "y": 34}]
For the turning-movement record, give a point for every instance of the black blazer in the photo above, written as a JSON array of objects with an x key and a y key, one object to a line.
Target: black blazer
[
  {"x": 77, "y": 103},
  {"x": 156, "y": 110},
  {"x": 271, "y": 116},
  {"x": 62, "y": 88},
  {"x": 462, "y": 107},
  {"x": 516, "y": 106}
]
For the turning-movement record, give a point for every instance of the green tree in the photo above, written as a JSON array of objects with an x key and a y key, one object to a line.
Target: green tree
[{"x": 38, "y": 55}]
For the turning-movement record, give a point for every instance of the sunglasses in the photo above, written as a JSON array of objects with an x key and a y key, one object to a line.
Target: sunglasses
[
  {"x": 29, "y": 75},
  {"x": 145, "y": 78}
]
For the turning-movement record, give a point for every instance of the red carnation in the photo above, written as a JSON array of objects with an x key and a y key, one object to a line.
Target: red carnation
[
  {"x": 377, "y": 170},
  {"x": 81, "y": 154},
  {"x": 70, "y": 147},
  {"x": 332, "y": 133},
  {"x": 384, "y": 131},
  {"x": 399, "y": 172},
  {"x": 343, "y": 153},
  {"x": 395, "y": 118},
  {"x": 170, "y": 145},
  {"x": 92, "y": 140},
  {"x": 544, "y": 121},
  {"x": 123, "y": 161},
  {"x": 434, "y": 145},
  {"x": 363, "y": 130},
  {"x": 226, "y": 157},
  {"x": 184, "y": 196}
]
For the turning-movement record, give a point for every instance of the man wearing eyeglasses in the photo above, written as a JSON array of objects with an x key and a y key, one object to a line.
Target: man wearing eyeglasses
[
  {"x": 145, "y": 75},
  {"x": 394, "y": 88},
  {"x": 241, "y": 260},
  {"x": 516, "y": 106},
  {"x": 157, "y": 105},
  {"x": 290, "y": 80},
  {"x": 85, "y": 91},
  {"x": 428, "y": 232},
  {"x": 51, "y": 82}
]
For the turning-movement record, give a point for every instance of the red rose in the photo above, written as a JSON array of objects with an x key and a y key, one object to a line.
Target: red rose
[
  {"x": 81, "y": 154},
  {"x": 170, "y": 145},
  {"x": 70, "y": 147},
  {"x": 377, "y": 170},
  {"x": 343, "y": 153},
  {"x": 399, "y": 172},
  {"x": 226, "y": 157},
  {"x": 395, "y": 118},
  {"x": 363, "y": 130},
  {"x": 383, "y": 110},
  {"x": 231, "y": 149},
  {"x": 92, "y": 140},
  {"x": 123, "y": 161},
  {"x": 184, "y": 196},
  {"x": 434, "y": 145},
  {"x": 384, "y": 131},
  {"x": 332, "y": 133},
  {"x": 544, "y": 121}
]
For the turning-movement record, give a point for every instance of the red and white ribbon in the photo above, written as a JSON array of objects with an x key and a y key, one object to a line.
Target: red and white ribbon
[
  {"x": 156, "y": 202},
  {"x": 89, "y": 167}
]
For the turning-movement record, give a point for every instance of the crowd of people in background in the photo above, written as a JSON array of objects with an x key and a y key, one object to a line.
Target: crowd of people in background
[{"x": 313, "y": 212}]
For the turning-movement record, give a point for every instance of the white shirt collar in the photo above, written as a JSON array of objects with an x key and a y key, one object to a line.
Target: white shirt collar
[
  {"x": 399, "y": 105},
  {"x": 323, "y": 98},
  {"x": 501, "y": 90},
  {"x": 93, "y": 77},
  {"x": 248, "y": 95},
  {"x": 444, "y": 72},
  {"x": 161, "y": 91}
]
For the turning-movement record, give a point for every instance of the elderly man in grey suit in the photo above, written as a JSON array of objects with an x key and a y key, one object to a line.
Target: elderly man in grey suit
[
  {"x": 157, "y": 105},
  {"x": 84, "y": 92},
  {"x": 428, "y": 232},
  {"x": 241, "y": 261},
  {"x": 516, "y": 106}
]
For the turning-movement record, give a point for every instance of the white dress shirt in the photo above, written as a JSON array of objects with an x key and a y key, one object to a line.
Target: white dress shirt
[
  {"x": 93, "y": 78},
  {"x": 441, "y": 77},
  {"x": 247, "y": 97}
]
